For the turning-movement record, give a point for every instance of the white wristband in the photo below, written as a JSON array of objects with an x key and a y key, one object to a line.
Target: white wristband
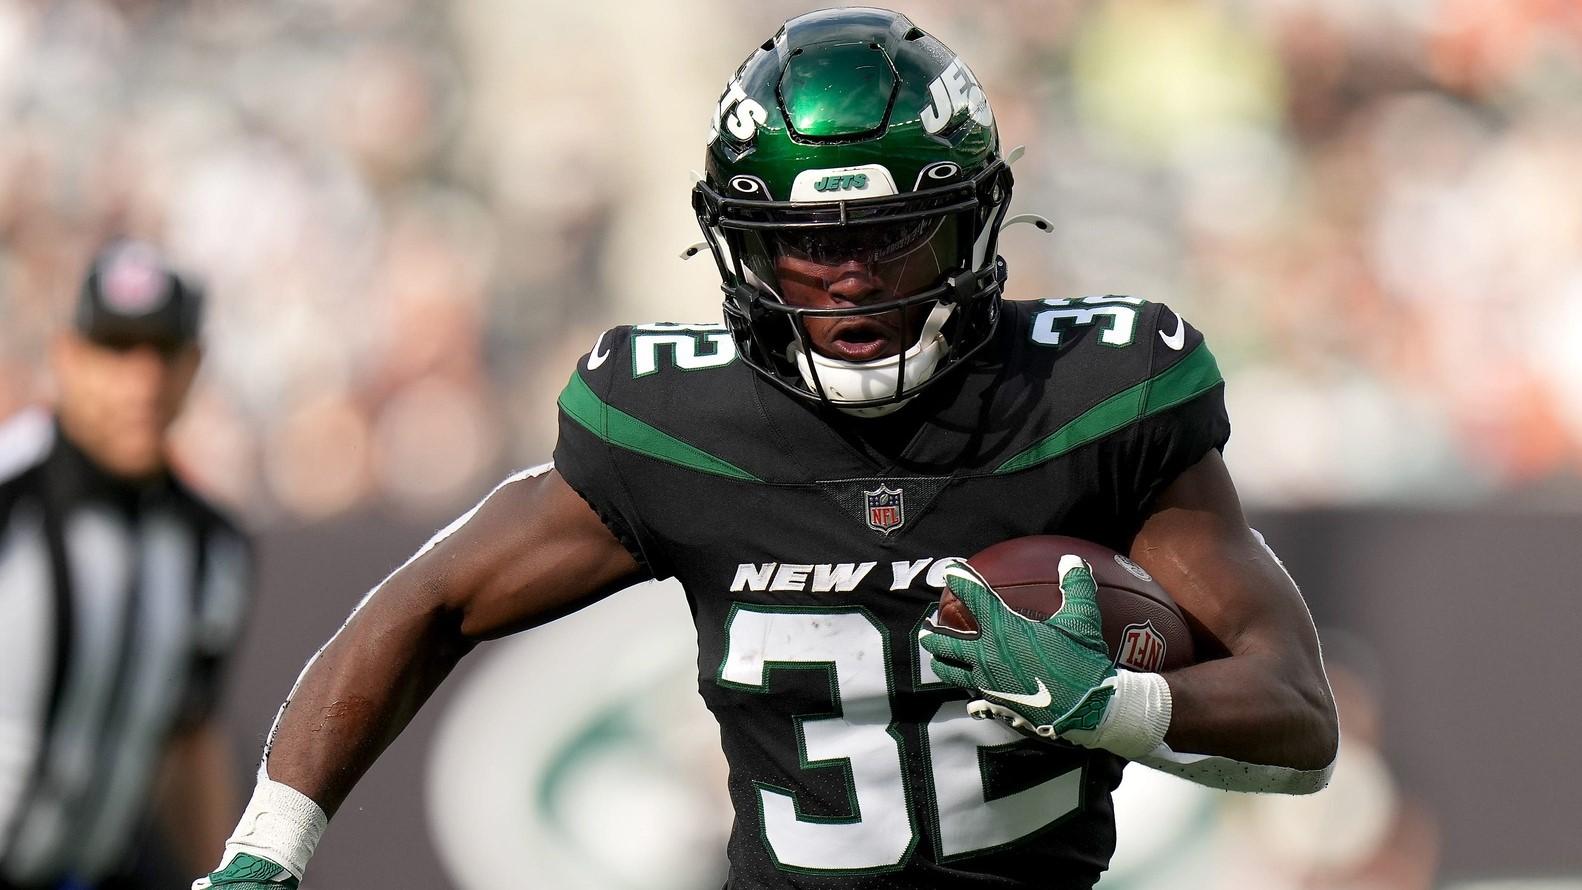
[
  {"x": 280, "y": 824},
  {"x": 1136, "y": 720}
]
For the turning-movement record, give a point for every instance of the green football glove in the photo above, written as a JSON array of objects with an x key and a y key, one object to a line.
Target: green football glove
[
  {"x": 248, "y": 872},
  {"x": 1043, "y": 677}
]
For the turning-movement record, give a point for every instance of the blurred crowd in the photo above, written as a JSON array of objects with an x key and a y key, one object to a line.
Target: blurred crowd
[{"x": 412, "y": 216}]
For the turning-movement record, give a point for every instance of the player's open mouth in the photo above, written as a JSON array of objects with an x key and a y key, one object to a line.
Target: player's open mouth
[{"x": 861, "y": 340}]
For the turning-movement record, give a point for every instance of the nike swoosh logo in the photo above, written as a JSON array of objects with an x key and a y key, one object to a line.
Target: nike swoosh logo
[
  {"x": 596, "y": 358},
  {"x": 1178, "y": 339},
  {"x": 1040, "y": 699}
]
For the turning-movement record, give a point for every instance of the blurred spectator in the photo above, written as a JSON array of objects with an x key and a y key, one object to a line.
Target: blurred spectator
[{"x": 121, "y": 597}]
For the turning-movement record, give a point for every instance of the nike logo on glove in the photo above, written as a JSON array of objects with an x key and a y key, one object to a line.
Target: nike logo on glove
[
  {"x": 1040, "y": 699},
  {"x": 1178, "y": 339},
  {"x": 596, "y": 358}
]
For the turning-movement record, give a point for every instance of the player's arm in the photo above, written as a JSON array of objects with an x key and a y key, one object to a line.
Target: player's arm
[
  {"x": 531, "y": 551},
  {"x": 1267, "y": 702},
  {"x": 1257, "y": 715},
  {"x": 1258, "y": 718}
]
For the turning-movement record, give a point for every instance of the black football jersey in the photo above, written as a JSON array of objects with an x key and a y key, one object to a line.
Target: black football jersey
[{"x": 809, "y": 544}]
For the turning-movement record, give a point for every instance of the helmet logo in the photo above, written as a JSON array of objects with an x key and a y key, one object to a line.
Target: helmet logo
[
  {"x": 748, "y": 185},
  {"x": 739, "y": 115},
  {"x": 843, "y": 183},
  {"x": 857, "y": 181},
  {"x": 955, "y": 90}
]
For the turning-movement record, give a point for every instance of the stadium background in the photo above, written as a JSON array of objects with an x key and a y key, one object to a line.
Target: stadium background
[{"x": 413, "y": 216}]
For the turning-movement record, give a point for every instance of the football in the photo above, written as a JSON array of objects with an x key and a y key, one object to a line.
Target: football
[{"x": 1143, "y": 626}]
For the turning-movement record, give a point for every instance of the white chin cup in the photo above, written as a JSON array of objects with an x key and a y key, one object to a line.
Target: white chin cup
[{"x": 847, "y": 382}]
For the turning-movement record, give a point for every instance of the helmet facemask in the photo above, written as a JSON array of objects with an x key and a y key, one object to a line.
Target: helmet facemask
[{"x": 930, "y": 256}]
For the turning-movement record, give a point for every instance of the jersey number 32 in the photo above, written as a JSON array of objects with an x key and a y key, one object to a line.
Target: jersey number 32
[{"x": 880, "y": 835}]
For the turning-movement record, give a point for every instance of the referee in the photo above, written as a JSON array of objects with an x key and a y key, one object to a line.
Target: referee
[{"x": 121, "y": 591}]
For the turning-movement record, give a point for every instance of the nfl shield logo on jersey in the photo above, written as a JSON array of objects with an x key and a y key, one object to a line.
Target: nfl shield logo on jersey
[
  {"x": 1142, "y": 648},
  {"x": 886, "y": 511}
]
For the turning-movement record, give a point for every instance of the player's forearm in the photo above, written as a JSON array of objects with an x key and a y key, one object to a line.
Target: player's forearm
[
  {"x": 355, "y": 696},
  {"x": 1253, "y": 708},
  {"x": 360, "y": 693}
]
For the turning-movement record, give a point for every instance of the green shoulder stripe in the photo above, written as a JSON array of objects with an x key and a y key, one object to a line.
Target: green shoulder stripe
[
  {"x": 1187, "y": 379},
  {"x": 623, "y": 430}
]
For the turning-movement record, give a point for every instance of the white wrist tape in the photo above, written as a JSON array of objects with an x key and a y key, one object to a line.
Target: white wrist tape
[
  {"x": 280, "y": 824},
  {"x": 1136, "y": 720}
]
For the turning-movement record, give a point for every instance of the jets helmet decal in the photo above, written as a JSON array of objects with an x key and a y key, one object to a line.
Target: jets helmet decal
[{"x": 852, "y": 136}]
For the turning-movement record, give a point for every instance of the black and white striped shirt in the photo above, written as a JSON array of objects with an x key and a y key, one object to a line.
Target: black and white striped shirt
[{"x": 119, "y": 603}]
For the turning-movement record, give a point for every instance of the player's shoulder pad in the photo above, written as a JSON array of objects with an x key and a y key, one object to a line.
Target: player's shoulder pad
[
  {"x": 1100, "y": 364},
  {"x": 661, "y": 366},
  {"x": 673, "y": 392},
  {"x": 1176, "y": 345},
  {"x": 610, "y": 351},
  {"x": 635, "y": 352},
  {"x": 1120, "y": 340}
]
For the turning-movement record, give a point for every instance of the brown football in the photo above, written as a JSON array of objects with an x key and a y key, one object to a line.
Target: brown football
[{"x": 1143, "y": 626}]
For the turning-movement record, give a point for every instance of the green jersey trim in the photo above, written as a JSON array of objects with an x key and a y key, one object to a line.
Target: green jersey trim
[
  {"x": 1187, "y": 379},
  {"x": 625, "y": 431}
]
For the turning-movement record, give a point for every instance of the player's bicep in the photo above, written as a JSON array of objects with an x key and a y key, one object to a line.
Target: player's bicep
[
  {"x": 531, "y": 551},
  {"x": 1239, "y": 599}
]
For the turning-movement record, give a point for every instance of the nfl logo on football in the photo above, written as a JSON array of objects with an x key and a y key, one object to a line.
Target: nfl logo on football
[
  {"x": 1142, "y": 648},
  {"x": 885, "y": 509}
]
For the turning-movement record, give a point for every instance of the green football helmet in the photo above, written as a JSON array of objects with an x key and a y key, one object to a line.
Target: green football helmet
[{"x": 854, "y": 136}]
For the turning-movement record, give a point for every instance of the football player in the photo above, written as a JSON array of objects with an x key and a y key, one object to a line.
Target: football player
[{"x": 870, "y": 408}]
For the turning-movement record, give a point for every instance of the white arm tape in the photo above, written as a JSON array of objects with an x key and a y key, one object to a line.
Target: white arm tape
[
  {"x": 280, "y": 824},
  {"x": 1237, "y": 775},
  {"x": 1136, "y": 720}
]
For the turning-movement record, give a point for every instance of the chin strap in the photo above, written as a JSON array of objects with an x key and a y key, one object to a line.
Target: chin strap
[{"x": 847, "y": 382}]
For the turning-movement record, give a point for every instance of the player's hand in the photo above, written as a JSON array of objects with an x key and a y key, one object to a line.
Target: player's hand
[
  {"x": 248, "y": 872},
  {"x": 1045, "y": 677}
]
